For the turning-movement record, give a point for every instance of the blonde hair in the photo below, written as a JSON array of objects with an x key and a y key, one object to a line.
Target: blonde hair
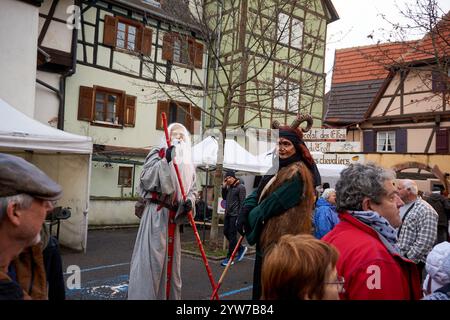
[{"x": 296, "y": 267}]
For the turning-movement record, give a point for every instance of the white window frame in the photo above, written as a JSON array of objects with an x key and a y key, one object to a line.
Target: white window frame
[
  {"x": 279, "y": 89},
  {"x": 286, "y": 93},
  {"x": 284, "y": 26},
  {"x": 384, "y": 138}
]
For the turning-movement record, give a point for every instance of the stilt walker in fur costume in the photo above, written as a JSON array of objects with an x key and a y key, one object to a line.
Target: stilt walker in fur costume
[{"x": 283, "y": 203}]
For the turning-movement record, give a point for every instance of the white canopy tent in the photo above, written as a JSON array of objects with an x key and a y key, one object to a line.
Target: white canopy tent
[
  {"x": 330, "y": 173},
  {"x": 65, "y": 157},
  {"x": 235, "y": 157}
]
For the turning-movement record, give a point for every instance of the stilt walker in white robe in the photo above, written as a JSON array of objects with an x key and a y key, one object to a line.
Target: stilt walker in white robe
[{"x": 160, "y": 189}]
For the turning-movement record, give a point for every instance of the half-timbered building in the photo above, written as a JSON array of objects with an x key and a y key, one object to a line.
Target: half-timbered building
[
  {"x": 115, "y": 66},
  {"x": 271, "y": 60},
  {"x": 394, "y": 97}
]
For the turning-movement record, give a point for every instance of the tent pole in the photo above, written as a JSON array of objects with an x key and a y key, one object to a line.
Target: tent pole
[
  {"x": 86, "y": 212},
  {"x": 205, "y": 209}
]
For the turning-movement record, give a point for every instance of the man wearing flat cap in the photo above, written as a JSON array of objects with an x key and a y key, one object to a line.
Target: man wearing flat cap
[{"x": 26, "y": 195}]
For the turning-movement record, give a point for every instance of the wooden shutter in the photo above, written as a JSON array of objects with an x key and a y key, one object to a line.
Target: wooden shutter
[
  {"x": 369, "y": 141},
  {"x": 129, "y": 118},
  {"x": 198, "y": 60},
  {"x": 191, "y": 49},
  {"x": 109, "y": 31},
  {"x": 188, "y": 120},
  {"x": 86, "y": 104},
  {"x": 442, "y": 141},
  {"x": 162, "y": 106},
  {"x": 147, "y": 42},
  {"x": 401, "y": 140},
  {"x": 167, "y": 49},
  {"x": 197, "y": 113},
  {"x": 139, "y": 38}
]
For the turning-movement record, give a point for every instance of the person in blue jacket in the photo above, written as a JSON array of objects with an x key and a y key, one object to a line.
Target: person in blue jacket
[{"x": 325, "y": 214}]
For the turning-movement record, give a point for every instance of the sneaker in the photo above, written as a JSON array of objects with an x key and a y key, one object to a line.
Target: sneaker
[
  {"x": 242, "y": 253},
  {"x": 225, "y": 262}
]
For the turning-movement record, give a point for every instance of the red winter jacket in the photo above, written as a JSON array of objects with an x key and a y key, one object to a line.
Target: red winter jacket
[{"x": 370, "y": 271}]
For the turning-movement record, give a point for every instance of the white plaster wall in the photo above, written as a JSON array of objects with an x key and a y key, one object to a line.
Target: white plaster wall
[
  {"x": 58, "y": 35},
  {"x": 18, "y": 53},
  {"x": 104, "y": 179},
  {"x": 418, "y": 139},
  {"x": 47, "y": 102},
  {"x": 110, "y": 212}
]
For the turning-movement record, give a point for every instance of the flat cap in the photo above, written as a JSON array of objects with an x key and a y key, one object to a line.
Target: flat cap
[{"x": 19, "y": 176}]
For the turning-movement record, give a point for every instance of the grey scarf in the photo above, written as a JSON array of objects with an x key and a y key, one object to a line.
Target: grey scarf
[{"x": 387, "y": 233}]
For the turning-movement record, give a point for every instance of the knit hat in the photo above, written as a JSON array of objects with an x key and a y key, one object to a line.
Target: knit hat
[
  {"x": 438, "y": 265},
  {"x": 230, "y": 173}
]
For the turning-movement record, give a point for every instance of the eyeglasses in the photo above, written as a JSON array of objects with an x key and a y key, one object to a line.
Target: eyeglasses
[{"x": 340, "y": 281}]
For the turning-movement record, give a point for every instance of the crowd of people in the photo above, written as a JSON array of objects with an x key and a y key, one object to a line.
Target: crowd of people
[{"x": 371, "y": 237}]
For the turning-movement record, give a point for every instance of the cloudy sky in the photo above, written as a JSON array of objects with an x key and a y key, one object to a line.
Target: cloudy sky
[{"x": 360, "y": 18}]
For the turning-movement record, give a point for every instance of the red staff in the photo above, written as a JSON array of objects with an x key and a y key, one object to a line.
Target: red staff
[
  {"x": 172, "y": 224},
  {"x": 230, "y": 261}
]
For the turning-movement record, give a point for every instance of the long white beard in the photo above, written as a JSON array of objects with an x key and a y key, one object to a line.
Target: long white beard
[{"x": 183, "y": 158}]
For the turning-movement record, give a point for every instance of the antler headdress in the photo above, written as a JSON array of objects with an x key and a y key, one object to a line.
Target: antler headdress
[{"x": 296, "y": 123}]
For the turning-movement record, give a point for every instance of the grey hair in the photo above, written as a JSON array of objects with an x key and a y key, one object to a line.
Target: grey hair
[
  {"x": 411, "y": 186},
  {"x": 359, "y": 181},
  {"x": 327, "y": 193},
  {"x": 24, "y": 201}
]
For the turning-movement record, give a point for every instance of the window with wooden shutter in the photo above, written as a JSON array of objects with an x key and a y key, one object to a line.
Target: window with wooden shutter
[
  {"x": 85, "y": 103},
  {"x": 108, "y": 107},
  {"x": 129, "y": 114},
  {"x": 386, "y": 141},
  {"x": 368, "y": 141},
  {"x": 198, "y": 60},
  {"x": 147, "y": 42},
  {"x": 162, "y": 106},
  {"x": 109, "y": 31},
  {"x": 401, "y": 140},
  {"x": 167, "y": 49},
  {"x": 442, "y": 141}
]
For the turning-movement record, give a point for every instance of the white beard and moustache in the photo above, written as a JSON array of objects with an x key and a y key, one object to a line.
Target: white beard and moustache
[{"x": 183, "y": 159}]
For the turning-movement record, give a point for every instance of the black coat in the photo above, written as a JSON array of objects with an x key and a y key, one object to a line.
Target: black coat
[{"x": 234, "y": 197}]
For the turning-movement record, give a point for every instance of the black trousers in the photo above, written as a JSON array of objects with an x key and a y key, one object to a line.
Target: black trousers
[
  {"x": 257, "y": 287},
  {"x": 54, "y": 270},
  {"x": 230, "y": 232}
]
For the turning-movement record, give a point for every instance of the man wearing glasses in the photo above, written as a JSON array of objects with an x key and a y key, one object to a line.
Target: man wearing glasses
[
  {"x": 370, "y": 260},
  {"x": 26, "y": 195}
]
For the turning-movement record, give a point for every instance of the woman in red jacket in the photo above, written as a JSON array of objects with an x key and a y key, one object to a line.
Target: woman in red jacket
[{"x": 369, "y": 258}]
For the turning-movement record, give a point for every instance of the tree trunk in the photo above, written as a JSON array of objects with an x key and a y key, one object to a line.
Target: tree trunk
[{"x": 214, "y": 235}]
